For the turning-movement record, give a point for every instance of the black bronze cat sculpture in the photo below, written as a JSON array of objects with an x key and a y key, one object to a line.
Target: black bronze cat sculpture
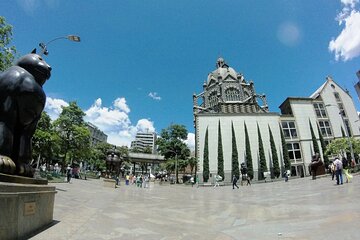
[{"x": 22, "y": 100}]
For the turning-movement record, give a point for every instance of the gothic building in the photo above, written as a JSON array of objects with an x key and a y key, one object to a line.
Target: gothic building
[
  {"x": 233, "y": 125},
  {"x": 227, "y": 91}
]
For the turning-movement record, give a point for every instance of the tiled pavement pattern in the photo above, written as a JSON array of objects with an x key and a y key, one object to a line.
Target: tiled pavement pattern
[{"x": 298, "y": 209}]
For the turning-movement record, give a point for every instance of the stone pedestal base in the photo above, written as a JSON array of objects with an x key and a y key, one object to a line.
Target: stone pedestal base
[
  {"x": 109, "y": 183},
  {"x": 25, "y": 208}
]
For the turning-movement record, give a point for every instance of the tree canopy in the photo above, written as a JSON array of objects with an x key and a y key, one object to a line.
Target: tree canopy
[
  {"x": 7, "y": 53},
  {"x": 341, "y": 146},
  {"x": 171, "y": 142},
  {"x": 75, "y": 136}
]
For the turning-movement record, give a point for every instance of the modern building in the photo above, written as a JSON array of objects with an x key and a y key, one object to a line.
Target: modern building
[
  {"x": 143, "y": 141},
  {"x": 96, "y": 134},
  {"x": 229, "y": 104}
]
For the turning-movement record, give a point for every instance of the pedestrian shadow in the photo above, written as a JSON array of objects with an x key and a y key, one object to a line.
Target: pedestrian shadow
[{"x": 40, "y": 230}]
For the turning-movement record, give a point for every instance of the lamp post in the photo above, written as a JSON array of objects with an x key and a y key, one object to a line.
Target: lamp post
[
  {"x": 341, "y": 113},
  {"x": 43, "y": 46}
]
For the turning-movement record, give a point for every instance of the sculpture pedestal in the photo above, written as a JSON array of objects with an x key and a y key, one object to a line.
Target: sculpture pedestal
[
  {"x": 109, "y": 183},
  {"x": 25, "y": 208}
]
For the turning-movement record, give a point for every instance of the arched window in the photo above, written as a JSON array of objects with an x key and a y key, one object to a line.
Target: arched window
[
  {"x": 213, "y": 99},
  {"x": 232, "y": 94}
]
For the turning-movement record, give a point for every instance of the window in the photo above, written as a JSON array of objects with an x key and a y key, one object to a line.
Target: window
[
  {"x": 337, "y": 96},
  {"x": 348, "y": 127},
  {"x": 294, "y": 151},
  {"x": 320, "y": 110},
  {"x": 232, "y": 94},
  {"x": 327, "y": 142},
  {"x": 325, "y": 128},
  {"x": 342, "y": 110},
  {"x": 289, "y": 129},
  {"x": 213, "y": 99}
]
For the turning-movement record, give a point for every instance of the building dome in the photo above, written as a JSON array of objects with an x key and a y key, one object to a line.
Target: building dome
[{"x": 223, "y": 71}]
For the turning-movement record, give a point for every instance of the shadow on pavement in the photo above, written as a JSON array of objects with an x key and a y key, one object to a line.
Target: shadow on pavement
[{"x": 36, "y": 232}]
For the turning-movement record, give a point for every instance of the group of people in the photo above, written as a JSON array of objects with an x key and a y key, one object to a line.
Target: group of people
[
  {"x": 141, "y": 181},
  {"x": 244, "y": 178},
  {"x": 337, "y": 168}
]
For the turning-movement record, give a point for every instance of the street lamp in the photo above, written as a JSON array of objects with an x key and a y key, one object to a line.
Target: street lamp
[
  {"x": 341, "y": 113},
  {"x": 43, "y": 46}
]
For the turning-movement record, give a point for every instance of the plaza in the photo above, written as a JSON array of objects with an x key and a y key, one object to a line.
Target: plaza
[{"x": 299, "y": 209}]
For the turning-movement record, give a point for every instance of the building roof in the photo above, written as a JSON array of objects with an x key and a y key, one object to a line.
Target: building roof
[
  {"x": 329, "y": 80},
  {"x": 315, "y": 94},
  {"x": 223, "y": 71}
]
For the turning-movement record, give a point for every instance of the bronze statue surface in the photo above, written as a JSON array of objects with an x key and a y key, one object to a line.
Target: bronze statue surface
[{"x": 22, "y": 100}]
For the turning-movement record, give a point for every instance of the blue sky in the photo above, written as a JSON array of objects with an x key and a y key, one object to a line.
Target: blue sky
[{"x": 139, "y": 62}]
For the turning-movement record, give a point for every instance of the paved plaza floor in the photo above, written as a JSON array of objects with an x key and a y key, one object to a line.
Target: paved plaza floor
[{"x": 298, "y": 209}]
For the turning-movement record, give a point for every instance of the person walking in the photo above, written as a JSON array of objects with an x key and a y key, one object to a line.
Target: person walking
[
  {"x": 192, "y": 181},
  {"x": 345, "y": 164},
  {"x": 248, "y": 180},
  {"x": 217, "y": 179},
  {"x": 127, "y": 179},
  {"x": 68, "y": 173},
  {"x": 333, "y": 170},
  {"x": 338, "y": 167},
  {"x": 234, "y": 181}
]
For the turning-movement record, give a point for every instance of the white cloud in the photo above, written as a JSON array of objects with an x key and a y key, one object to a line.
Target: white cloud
[
  {"x": 350, "y": 3},
  {"x": 154, "y": 96},
  {"x": 347, "y": 44},
  {"x": 53, "y": 107},
  {"x": 289, "y": 34},
  {"x": 31, "y": 6},
  {"x": 115, "y": 121},
  {"x": 144, "y": 125},
  {"x": 107, "y": 119},
  {"x": 190, "y": 141},
  {"x": 120, "y": 103}
]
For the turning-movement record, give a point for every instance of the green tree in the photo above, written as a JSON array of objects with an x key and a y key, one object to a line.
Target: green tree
[
  {"x": 220, "y": 155},
  {"x": 262, "y": 159},
  {"x": 323, "y": 147},
  {"x": 274, "y": 156},
  {"x": 98, "y": 156},
  {"x": 341, "y": 146},
  {"x": 206, "y": 171},
  {"x": 287, "y": 162},
  {"x": 7, "y": 53},
  {"x": 192, "y": 163},
  {"x": 75, "y": 136},
  {"x": 45, "y": 142},
  {"x": 313, "y": 137},
  {"x": 235, "y": 171},
  {"x": 147, "y": 150},
  {"x": 248, "y": 157},
  {"x": 171, "y": 144}
]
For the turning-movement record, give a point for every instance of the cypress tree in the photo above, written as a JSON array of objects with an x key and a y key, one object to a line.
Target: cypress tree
[
  {"x": 313, "y": 137},
  {"x": 206, "y": 171},
  {"x": 220, "y": 155},
  {"x": 287, "y": 162},
  {"x": 274, "y": 156},
  {"x": 262, "y": 159},
  {"x": 248, "y": 157},
  {"x": 235, "y": 161},
  {"x": 323, "y": 147}
]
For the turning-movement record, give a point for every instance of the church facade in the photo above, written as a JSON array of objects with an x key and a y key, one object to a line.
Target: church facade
[{"x": 233, "y": 124}]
